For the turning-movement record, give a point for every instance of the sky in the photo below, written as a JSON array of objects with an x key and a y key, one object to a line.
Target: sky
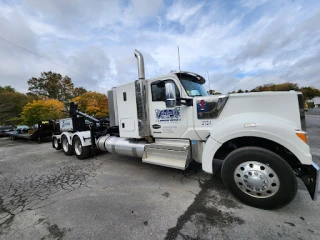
[{"x": 233, "y": 44}]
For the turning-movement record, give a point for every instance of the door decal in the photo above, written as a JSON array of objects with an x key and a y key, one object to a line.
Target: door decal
[{"x": 168, "y": 115}]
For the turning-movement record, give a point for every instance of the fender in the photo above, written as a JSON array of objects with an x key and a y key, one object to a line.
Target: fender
[
  {"x": 68, "y": 135},
  {"x": 85, "y": 138},
  {"x": 267, "y": 126}
]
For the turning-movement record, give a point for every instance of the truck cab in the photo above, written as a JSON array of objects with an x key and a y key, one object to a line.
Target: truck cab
[{"x": 257, "y": 141}]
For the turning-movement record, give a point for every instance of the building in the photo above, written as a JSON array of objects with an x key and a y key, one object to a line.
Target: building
[{"x": 316, "y": 102}]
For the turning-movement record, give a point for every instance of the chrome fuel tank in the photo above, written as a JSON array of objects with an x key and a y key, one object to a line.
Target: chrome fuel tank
[{"x": 122, "y": 146}]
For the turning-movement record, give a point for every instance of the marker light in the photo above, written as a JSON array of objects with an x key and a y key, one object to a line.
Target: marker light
[{"x": 302, "y": 135}]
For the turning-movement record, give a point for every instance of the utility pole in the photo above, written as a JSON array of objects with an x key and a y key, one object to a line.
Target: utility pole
[
  {"x": 208, "y": 81},
  {"x": 179, "y": 58}
]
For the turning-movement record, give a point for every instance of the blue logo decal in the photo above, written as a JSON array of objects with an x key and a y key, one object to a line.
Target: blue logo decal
[
  {"x": 66, "y": 123},
  {"x": 168, "y": 115}
]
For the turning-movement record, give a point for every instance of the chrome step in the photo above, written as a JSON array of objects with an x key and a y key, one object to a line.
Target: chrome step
[{"x": 168, "y": 153}]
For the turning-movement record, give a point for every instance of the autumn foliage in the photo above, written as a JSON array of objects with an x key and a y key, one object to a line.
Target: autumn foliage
[
  {"x": 53, "y": 85},
  {"x": 93, "y": 103},
  {"x": 277, "y": 87},
  {"x": 38, "y": 110},
  {"x": 11, "y": 104}
]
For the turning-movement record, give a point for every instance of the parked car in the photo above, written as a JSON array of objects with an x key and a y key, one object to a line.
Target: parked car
[
  {"x": 22, "y": 129},
  {"x": 18, "y": 130},
  {"x": 5, "y": 129}
]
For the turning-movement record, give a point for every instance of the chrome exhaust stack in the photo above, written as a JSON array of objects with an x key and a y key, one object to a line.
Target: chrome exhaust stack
[
  {"x": 140, "y": 60},
  {"x": 141, "y": 88}
]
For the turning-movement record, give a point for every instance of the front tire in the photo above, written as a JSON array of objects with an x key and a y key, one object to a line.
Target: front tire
[
  {"x": 81, "y": 152},
  {"x": 67, "y": 148},
  {"x": 259, "y": 178}
]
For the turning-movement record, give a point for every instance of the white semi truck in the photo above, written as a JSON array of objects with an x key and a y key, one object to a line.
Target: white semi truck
[{"x": 257, "y": 140}]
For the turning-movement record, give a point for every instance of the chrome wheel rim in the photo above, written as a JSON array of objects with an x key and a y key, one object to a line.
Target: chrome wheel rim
[
  {"x": 256, "y": 179},
  {"x": 77, "y": 147},
  {"x": 65, "y": 144}
]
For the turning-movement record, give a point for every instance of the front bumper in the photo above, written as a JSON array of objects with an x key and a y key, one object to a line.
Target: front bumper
[{"x": 310, "y": 177}]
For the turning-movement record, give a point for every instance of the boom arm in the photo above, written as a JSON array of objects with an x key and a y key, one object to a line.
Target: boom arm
[
  {"x": 87, "y": 116},
  {"x": 74, "y": 112}
]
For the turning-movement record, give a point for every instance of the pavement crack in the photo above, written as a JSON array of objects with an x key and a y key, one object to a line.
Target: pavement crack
[{"x": 30, "y": 192}]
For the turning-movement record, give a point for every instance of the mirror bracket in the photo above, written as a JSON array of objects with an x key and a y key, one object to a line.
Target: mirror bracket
[{"x": 188, "y": 101}]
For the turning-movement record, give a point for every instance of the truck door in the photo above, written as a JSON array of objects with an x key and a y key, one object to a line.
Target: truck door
[{"x": 165, "y": 122}]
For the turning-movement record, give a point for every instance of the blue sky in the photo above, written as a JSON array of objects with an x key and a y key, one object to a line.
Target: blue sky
[{"x": 240, "y": 44}]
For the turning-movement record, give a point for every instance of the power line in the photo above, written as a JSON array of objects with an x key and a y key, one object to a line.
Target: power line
[{"x": 45, "y": 58}]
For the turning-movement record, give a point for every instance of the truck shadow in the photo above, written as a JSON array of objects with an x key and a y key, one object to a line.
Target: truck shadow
[{"x": 211, "y": 209}]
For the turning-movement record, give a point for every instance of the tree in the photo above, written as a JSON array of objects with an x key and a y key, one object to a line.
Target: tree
[
  {"x": 286, "y": 87},
  {"x": 310, "y": 92},
  {"x": 79, "y": 91},
  {"x": 13, "y": 121},
  {"x": 7, "y": 89},
  {"x": 276, "y": 87},
  {"x": 93, "y": 103},
  {"x": 52, "y": 86},
  {"x": 11, "y": 104},
  {"x": 240, "y": 91},
  {"x": 38, "y": 110}
]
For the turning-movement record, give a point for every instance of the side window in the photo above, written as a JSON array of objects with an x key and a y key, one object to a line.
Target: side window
[
  {"x": 210, "y": 109},
  {"x": 158, "y": 91}
]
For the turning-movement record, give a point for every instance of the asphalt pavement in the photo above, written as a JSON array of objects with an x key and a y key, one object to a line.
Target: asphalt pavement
[{"x": 47, "y": 195}]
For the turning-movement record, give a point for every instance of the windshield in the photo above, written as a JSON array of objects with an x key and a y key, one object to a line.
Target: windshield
[{"x": 193, "y": 86}]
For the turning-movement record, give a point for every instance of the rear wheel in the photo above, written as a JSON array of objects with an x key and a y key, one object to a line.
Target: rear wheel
[
  {"x": 259, "y": 177},
  {"x": 81, "y": 152},
  {"x": 56, "y": 143},
  {"x": 67, "y": 148}
]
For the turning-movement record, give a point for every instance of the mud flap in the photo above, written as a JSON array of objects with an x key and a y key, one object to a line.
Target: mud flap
[
  {"x": 311, "y": 179},
  {"x": 52, "y": 143},
  {"x": 216, "y": 165}
]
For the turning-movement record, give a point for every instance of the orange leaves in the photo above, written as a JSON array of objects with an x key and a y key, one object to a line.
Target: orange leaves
[
  {"x": 41, "y": 110},
  {"x": 93, "y": 103}
]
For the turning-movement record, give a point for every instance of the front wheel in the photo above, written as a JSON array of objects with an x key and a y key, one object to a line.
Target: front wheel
[
  {"x": 80, "y": 151},
  {"x": 259, "y": 178}
]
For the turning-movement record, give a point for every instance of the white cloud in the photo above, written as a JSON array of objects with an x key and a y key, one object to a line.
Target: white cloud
[
  {"x": 262, "y": 41},
  {"x": 251, "y": 4},
  {"x": 181, "y": 11}
]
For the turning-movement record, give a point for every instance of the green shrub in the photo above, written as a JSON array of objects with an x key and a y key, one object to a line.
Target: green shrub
[{"x": 310, "y": 104}]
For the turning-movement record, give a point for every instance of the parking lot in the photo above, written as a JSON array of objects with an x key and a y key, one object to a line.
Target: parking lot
[{"x": 47, "y": 195}]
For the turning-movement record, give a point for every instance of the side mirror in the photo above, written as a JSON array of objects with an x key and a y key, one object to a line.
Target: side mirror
[{"x": 170, "y": 95}]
